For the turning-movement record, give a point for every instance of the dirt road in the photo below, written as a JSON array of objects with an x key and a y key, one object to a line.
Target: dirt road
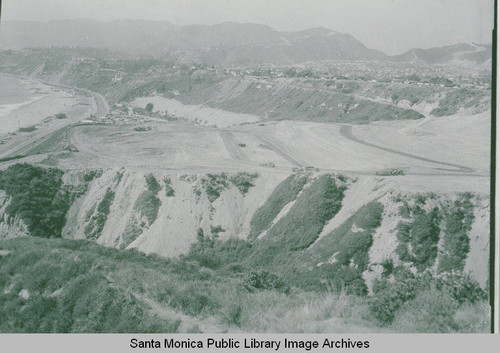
[{"x": 346, "y": 132}]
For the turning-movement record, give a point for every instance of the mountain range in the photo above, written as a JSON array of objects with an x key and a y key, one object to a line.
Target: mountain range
[{"x": 227, "y": 43}]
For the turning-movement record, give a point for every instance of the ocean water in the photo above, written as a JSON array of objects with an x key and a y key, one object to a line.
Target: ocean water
[
  {"x": 15, "y": 94},
  {"x": 12, "y": 91}
]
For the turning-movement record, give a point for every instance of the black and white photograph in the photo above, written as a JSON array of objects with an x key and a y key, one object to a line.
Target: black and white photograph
[{"x": 245, "y": 166}]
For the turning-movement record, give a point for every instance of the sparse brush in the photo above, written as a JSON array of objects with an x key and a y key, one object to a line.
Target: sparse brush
[
  {"x": 431, "y": 311},
  {"x": 474, "y": 317}
]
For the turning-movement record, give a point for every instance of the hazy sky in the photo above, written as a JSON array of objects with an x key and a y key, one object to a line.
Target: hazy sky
[{"x": 392, "y": 26}]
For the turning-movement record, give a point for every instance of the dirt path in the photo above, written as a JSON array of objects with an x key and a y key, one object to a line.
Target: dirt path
[
  {"x": 279, "y": 150},
  {"x": 231, "y": 145}
]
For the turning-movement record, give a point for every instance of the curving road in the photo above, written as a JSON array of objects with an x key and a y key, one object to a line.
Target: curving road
[{"x": 346, "y": 132}]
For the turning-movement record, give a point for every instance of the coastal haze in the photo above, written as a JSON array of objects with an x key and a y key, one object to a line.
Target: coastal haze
[
  {"x": 331, "y": 184},
  {"x": 393, "y": 27}
]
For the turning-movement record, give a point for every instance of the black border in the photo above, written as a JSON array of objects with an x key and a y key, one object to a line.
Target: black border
[{"x": 493, "y": 170}]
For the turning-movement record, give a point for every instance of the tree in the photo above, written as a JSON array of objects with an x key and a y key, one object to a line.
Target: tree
[{"x": 149, "y": 107}]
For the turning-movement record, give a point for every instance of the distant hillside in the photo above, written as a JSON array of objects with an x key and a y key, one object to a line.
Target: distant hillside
[
  {"x": 478, "y": 53},
  {"x": 225, "y": 43}
]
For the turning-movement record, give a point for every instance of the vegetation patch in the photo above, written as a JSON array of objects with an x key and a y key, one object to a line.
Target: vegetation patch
[
  {"x": 80, "y": 286},
  {"x": 350, "y": 243},
  {"x": 293, "y": 103},
  {"x": 69, "y": 290},
  {"x": 209, "y": 251},
  {"x": 458, "y": 219},
  {"x": 146, "y": 206},
  {"x": 301, "y": 226},
  {"x": 422, "y": 302},
  {"x": 98, "y": 220},
  {"x": 263, "y": 280},
  {"x": 90, "y": 175},
  {"x": 461, "y": 98},
  {"x": 418, "y": 238},
  {"x": 243, "y": 181},
  {"x": 214, "y": 184},
  {"x": 134, "y": 228},
  {"x": 36, "y": 197},
  {"x": 169, "y": 190},
  {"x": 284, "y": 193}
]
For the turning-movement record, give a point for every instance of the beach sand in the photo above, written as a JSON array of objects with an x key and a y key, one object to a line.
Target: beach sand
[{"x": 25, "y": 102}]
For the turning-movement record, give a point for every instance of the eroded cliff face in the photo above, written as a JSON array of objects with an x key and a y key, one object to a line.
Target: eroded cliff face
[
  {"x": 165, "y": 213},
  {"x": 121, "y": 209}
]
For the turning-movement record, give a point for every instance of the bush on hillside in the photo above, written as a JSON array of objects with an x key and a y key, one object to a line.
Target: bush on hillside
[
  {"x": 389, "y": 296},
  {"x": 263, "y": 280},
  {"x": 457, "y": 224},
  {"x": 418, "y": 239},
  {"x": 214, "y": 184},
  {"x": 36, "y": 198},
  {"x": 243, "y": 181},
  {"x": 431, "y": 311}
]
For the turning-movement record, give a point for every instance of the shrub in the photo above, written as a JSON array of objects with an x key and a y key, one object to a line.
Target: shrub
[
  {"x": 243, "y": 181},
  {"x": 388, "y": 298},
  {"x": 431, "y": 311},
  {"x": 90, "y": 175},
  {"x": 460, "y": 287},
  {"x": 86, "y": 300},
  {"x": 264, "y": 280},
  {"x": 193, "y": 300},
  {"x": 388, "y": 266},
  {"x": 214, "y": 184},
  {"x": 152, "y": 184},
  {"x": 418, "y": 239},
  {"x": 169, "y": 190},
  {"x": 211, "y": 252},
  {"x": 148, "y": 203},
  {"x": 474, "y": 318}
]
